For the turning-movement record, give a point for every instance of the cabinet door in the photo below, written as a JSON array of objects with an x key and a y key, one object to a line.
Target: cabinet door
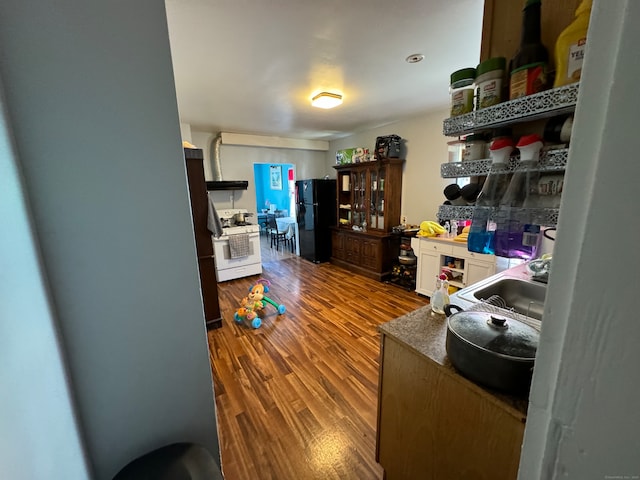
[
  {"x": 359, "y": 207},
  {"x": 345, "y": 200},
  {"x": 338, "y": 241},
  {"x": 353, "y": 248},
  {"x": 478, "y": 270},
  {"x": 432, "y": 426},
  {"x": 371, "y": 254},
  {"x": 377, "y": 177},
  {"x": 428, "y": 268}
]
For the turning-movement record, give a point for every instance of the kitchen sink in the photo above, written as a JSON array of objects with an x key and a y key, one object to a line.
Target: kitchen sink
[{"x": 523, "y": 296}]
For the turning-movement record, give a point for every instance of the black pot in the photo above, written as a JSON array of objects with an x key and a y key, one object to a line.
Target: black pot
[
  {"x": 491, "y": 350},
  {"x": 470, "y": 192}
]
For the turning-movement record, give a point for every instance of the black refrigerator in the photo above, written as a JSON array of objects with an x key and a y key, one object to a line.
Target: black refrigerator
[{"x": 316, "y": 213}]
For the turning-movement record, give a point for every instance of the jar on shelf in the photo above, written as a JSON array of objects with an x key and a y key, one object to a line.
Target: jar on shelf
[
  {"x": 489, "y": 82},
  {"x": 475, "y": 147},
  {"x": 462, "y": 91}
]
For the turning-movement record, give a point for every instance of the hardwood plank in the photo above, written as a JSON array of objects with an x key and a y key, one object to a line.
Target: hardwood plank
[{"x": 297, "y": 397}]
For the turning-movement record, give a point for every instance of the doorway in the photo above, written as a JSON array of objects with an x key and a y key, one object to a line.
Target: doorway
[
  {"x": 275, "y": 188},
  {"x": 275, "y": 195}
]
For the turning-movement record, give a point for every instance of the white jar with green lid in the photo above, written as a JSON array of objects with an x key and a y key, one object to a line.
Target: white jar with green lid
[
  {"x": 462, "y": 91},
  {"x": 489, "y": 82}
]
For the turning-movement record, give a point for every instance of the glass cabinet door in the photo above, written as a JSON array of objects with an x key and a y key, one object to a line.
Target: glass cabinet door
[
  {"x": 360, "y": 215},
  {"x": 380, "y": 197},
  {"x": 345, "y": 199},
  {"x": 373, "y": 200}
]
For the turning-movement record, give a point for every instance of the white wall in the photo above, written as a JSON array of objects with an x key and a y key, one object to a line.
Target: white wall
[
  {"x": 90, "y": 97},
  {"x": 39, "y": 437},
  {"x": 237, "y": 164},
  {"x": 426, "y": 149},
  {"x": 584, "y": 420}
]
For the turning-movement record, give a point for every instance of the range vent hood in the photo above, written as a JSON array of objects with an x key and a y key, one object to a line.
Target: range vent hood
[
  {"x": 227, "y": 185},
  {"x": 218, "y": 183}
]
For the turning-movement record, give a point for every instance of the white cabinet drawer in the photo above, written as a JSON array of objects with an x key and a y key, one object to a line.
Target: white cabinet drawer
[
  {"x": 462, "y": 252},
  {"x": 435, "y": 246}
]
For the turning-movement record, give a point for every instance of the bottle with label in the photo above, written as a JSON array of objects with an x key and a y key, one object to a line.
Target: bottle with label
[
  {"x": 482, "y": 230},
  {"x": 571, "y": 45},
  {"x": 517, "y": 232},
  {"x": 528, "y": 68}
]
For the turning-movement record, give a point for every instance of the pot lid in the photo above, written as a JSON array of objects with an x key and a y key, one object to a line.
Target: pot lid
[{"x": 495, "y": 333}]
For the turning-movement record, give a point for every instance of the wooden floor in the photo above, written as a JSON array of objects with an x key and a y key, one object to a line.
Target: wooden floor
[{"x": 296, "y": 398}]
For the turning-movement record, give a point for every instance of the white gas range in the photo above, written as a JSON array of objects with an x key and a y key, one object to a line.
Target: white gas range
[{"x": 237, "y": 251}]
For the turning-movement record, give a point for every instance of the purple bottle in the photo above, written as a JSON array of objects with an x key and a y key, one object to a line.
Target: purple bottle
[{"x": 517, "y": 231}]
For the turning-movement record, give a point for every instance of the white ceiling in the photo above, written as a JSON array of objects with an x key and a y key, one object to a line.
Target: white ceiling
[{"x": 252, "y": 66}]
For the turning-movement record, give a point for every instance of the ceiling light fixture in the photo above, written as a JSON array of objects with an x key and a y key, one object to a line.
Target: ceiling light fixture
[
  {"x": 415, "y": 58},
  {"x": 326, "y": 100}
]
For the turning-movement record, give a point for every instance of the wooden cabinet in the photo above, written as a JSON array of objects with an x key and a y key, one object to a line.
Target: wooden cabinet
[
  {"x": 369, "y": 202},
  {"x": 435, "y": 255},
  {"x": 367, "y": 253},
  {"x": 502, "y": 25},
  {"x": 434, "y": 424},
  {"x": 369, "y": 194},
  {"x": 204, "y": 245}
]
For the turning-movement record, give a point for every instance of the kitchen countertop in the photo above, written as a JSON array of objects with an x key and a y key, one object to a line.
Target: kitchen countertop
[
  {"x": 445, "y": 240},
  {"x": 424, "y": 332}
]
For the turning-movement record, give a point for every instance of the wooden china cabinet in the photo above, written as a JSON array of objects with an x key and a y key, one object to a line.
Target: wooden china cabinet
[
  {"x": 368, "y": 203},
  {"x": 204, "y": 245}
]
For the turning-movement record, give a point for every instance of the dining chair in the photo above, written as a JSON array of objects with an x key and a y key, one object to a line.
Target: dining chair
[
  {"x": 290, "y": 235},
  {"x": 275, "y": 235},
  {"x": 263, "y": 222}
]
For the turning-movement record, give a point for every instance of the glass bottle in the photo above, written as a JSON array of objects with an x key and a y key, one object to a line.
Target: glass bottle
[
  {"x": 482, "y": 230},
  {"x": 528, "y": 68},
  {"x": 440, "y": 296},
  {"x": 517, "y": 233}
]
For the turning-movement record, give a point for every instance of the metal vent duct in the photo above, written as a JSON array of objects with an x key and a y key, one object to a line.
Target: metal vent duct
[{"x": 218, "y": 183}]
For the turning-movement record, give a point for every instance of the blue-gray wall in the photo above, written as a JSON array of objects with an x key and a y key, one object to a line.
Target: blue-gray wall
[
  {"x": 39, "y": 437},
  {"x": 91, "y": 102}
]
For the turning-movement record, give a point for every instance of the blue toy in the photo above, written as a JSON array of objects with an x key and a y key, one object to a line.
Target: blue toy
[{"x": 253, "y": 304}]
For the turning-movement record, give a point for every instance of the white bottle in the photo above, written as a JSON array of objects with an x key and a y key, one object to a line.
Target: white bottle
[{"x": 440, "y": 296}]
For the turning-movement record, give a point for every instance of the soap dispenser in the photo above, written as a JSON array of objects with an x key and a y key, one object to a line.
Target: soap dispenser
[
  {"x": 482, "y": 230},
  {"x": 518, "y": 233}
]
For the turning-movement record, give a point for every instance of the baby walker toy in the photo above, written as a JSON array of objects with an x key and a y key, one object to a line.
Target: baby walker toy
[{"x": 253, "y": 304}]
